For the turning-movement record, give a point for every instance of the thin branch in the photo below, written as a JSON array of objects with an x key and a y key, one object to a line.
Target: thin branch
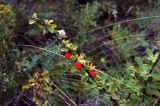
[
  {"x": 17, "y": 99},
  {"x": 65, "y": 94},
  {"x": 64, "y": 100},
  {"x": 25, "y": 102},
  {"x": 136, "y": 19}
]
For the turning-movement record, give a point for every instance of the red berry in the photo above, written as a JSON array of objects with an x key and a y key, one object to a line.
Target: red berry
[
  {"x": 93, "y": 74},
  {"x": 67, "y": 55},
  {"x": 78, "y": 66},
  {"x": 134, "y": 78}
]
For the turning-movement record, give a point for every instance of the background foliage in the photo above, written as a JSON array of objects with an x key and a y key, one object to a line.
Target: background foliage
[{"x": 120, "y": 37}]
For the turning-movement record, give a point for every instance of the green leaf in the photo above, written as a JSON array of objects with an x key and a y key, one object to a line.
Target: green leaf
[
  {"x": 134, "y": 86},
  {"x": 153, "y": 57},
  {"x": 46, "y": 72},
  {"x": 63, "y": 49},
  {"x": 113, "y": 87},
  {"x": 149, "y": 52},
  {"x": 156, "y": 76},
  {"x": 85, "y": 78},
  {"x": 104, "y": 78},
  {"x": 51, "y": 28},
  {"x": 74, "y": 70},
  {"x": 139, "y": 61},
  {"x": 74, "y": 47},
  {"x": 146, "y": 67},
  {"x": 154, "y": 85},
  {"x": 152, "y": 91},
  {"x": 44, "y": 31},
  {"x": 69, "y": 45},
  {"x": 31, "y": 22},
  {"x": 116, "y": 97},
  {"x": 41, "y": 26}
]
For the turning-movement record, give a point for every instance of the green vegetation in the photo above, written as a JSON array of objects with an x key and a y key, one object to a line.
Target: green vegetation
[{"x": 69, "y": 53}]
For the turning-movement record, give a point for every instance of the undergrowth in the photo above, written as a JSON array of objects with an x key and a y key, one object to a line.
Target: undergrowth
[{"x": 80, "y": 60}]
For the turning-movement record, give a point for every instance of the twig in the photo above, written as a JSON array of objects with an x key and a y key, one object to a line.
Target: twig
[
  {"x": 64, "y": 100},
  {"x": 96, "y": 103},
  {"x": 65, "y": 94},
  {"x": 27, "y": 97},
  {"x": 17, "y": 99},
  {"x": 25, "y": 102}
]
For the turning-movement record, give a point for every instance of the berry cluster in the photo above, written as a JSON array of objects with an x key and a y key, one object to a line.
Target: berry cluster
[
  {"x": 79, "y": 66},
  {"x": 64, "y": 44}
]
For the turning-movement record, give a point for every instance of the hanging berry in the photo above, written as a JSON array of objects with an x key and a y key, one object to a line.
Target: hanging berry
[
  {"x": 78, "y": 66},
  {"x": 67, "y": 55},
  {"x": 93, "y": 74},
  {"x": 134, "y": 78}
]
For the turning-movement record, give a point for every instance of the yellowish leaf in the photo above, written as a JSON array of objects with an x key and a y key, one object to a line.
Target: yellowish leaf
[
  {"x": 158, "y": 42},
  {"x": 46, "y": 79},
  {"x": 26, "y": 86},
  {"x": 80, "y": 58},
  {"x": 91, "y": 67},
  {"x": 46, "y": 72},
  {"x": 36, "y": 75},
  {"x": 31, "y": 22},
  {"x": 31, "y": 80},
  {"x": 48, "y": 22},
  {"x": 34, "y": 15}
]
